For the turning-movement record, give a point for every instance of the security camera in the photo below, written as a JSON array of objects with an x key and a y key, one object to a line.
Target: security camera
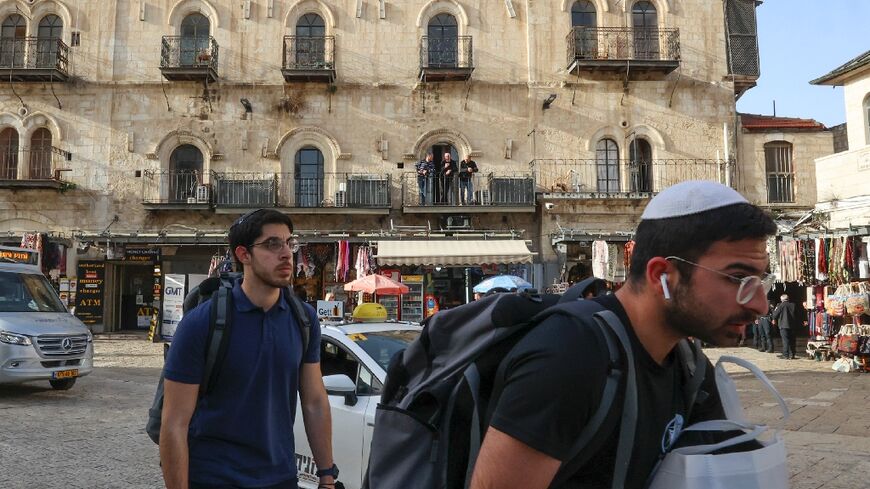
[{"x": 549, "y": 206}]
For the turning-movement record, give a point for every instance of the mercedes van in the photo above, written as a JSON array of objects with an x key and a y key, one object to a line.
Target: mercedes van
[{"x": 39, "y": 338}]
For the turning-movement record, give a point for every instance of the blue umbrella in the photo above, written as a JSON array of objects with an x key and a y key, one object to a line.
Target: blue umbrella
[{"x": 509, "y": 282}]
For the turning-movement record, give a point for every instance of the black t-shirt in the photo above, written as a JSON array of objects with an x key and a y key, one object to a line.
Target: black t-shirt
[{"x": 553, "y": 385}]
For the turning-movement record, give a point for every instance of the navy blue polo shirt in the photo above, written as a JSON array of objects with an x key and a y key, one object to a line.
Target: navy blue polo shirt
[{"x": 241, "y": 433}]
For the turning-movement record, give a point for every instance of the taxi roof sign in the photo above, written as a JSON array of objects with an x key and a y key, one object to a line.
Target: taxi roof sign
[
  {"x": 370, "y": 311},
  {"x": 19, "y": 255}
]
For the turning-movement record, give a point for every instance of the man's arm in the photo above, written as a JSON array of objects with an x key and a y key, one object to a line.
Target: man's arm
[
  {"x": 504, "y": 460},
  {"x": 179, "y": 402},
  {"x": 317, "y": 417}
]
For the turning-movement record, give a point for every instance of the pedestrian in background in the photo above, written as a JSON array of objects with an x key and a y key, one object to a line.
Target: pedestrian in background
[
  {"x": 467, "y": 169},
  {"x": 784, "y": 318},
  {"x": 765, "y": 330},
  {"x": 447, "y": 173},
  {"x": 425, "y": 170}
]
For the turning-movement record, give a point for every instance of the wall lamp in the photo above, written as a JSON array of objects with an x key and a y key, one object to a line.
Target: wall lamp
[
  {"x": 549, "y": 100},
  {"x": 247, "y": 105}
]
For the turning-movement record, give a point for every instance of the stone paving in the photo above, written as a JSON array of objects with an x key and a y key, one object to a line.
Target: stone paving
[{"x": 92, "y": 435}]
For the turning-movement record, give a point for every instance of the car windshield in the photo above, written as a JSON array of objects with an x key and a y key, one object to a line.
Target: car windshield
[
  {"x": 382, "y": 345},
  {"x": 27, "y": 292}
]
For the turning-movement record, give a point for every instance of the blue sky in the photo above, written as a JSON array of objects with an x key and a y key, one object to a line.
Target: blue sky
[{"x": 801, "y": 40}]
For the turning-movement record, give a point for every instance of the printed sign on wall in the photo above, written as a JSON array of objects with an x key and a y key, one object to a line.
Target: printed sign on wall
[
  {"x": 173, "y": 301},
  {"x": 89, "y": 291}
]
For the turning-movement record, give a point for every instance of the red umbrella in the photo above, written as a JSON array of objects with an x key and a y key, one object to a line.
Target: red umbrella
[{"x": 376, "y": 284}]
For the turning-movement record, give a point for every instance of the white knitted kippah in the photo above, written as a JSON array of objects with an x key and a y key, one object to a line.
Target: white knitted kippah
[{"x": 691, "y": 197}]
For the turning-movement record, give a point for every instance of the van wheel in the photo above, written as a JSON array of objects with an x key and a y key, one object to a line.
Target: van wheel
[{"x": 62, "y": 384}]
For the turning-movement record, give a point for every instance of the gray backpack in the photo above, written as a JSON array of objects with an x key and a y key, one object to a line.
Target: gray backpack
[
  {"x": 220, "y": 291},
  {"x": 437, "y": 398}
]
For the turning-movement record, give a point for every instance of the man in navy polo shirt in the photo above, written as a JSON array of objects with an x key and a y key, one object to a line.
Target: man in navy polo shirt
[{"x": 240, "y": 435}]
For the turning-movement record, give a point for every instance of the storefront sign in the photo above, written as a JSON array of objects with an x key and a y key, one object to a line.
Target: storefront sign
[
  {"x": 89, "y": 293},
  {"x": 20, "y": 255},
  {"x": 142, "y": 254},
  {"x": 173, "y": 303},
  {"x": 330, "y": 309}
]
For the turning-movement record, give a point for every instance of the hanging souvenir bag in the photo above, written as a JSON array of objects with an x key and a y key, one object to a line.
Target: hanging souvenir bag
[
  {"x": 705, "y": 467},
  {"x": 858, "y": 300},
  {"x": 847, "y": 340},
  {"x": 835, "y": 303}
]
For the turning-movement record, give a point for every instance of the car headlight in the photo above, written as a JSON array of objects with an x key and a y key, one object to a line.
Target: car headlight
[
  {"x": 14, "y": 339},
  {"x": 90, "y": 337}
]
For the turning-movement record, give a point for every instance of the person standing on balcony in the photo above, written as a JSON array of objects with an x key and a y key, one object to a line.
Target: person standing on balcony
[
  {"x": 447, "y": 171},
  {"x": 425, "y": 170},
  {"x": 467, "y": 169}
]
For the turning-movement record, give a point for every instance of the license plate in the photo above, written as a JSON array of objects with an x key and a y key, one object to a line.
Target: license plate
[{"x": 65, "y": 374}]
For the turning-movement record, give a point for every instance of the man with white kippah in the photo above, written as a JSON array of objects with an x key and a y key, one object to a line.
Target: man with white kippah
[{"x": 698, "y": 270}]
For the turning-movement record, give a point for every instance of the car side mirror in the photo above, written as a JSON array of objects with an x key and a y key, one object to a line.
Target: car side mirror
[{"x": 341, "y": 385}]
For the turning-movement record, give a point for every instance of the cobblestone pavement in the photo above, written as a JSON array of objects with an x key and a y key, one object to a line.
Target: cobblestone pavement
[{"x": 92, "y": 435}]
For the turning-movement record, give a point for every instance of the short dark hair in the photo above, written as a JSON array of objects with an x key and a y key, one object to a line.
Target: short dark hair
[
  {"x": 249, "y": 227},
  {"x": 690, "y": 237}
]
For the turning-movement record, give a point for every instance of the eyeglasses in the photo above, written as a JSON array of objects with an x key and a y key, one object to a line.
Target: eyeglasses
[
  {"x": 748, "y": 286},
  {"x": 275, "y": 245}
]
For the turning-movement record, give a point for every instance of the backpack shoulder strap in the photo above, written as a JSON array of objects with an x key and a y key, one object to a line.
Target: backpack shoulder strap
[
  {"x": 694, "y": 365},
  {"x": 302, "y": 318},
  {"x": 217, "y": 342},
  {"x": 585, "y": 445}
]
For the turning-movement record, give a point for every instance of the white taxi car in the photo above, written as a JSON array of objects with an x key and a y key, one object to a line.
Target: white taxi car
[{"x": 354, "y": 358}]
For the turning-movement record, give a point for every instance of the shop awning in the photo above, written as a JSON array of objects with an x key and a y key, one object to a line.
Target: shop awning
[{"x": 452, "y": 253}]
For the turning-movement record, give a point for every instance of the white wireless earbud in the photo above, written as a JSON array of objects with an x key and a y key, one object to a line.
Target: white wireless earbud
[{"x": 664, "y": 278}]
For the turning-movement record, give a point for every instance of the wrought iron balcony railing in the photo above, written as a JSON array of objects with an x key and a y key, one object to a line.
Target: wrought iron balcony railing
[
  {"x": 30, "y": 54},
  {"x": 480, "y": 189},
  {"x": 622, "y": 178},
  {"x": 245, "y": 189},
  {"x": 308, "y": 58},
  {"x": 446, "y": 58},
  {"x": 588, "y": 45},
  {"x": 178, "y": 188},
  {"x": 353, "y": 190},
  {"x": 189, "y": 58}
]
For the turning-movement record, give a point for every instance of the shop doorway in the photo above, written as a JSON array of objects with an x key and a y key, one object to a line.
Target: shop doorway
[
  {"x": 444, "y": 186},
  {"x": 133, "y": 297}
]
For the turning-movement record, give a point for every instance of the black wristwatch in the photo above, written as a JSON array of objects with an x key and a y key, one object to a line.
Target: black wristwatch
[{"x": 333, "y": 471}]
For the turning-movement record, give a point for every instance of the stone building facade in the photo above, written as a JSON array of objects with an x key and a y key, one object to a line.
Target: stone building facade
[{"x": 158, "y": 122}]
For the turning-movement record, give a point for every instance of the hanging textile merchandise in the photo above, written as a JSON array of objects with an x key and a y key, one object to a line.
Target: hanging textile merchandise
[{"x": 836, "y": 260}]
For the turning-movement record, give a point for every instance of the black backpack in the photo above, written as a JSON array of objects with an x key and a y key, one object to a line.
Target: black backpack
[
  {"x": 220, "y": 291},
  {"x": 438, "y": 396}
]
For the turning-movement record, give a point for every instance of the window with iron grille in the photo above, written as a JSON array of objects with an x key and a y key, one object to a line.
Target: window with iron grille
[
  {"x": 779, "y": 166},
  {"x": 742, "y": 39}
]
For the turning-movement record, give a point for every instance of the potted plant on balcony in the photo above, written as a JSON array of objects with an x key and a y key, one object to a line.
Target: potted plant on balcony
[{"x": 203, "y": 57}]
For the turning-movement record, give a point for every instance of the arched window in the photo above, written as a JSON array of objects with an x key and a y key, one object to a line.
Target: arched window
[
  {"x": 8, "y": 154},
  {"x": 780, "y": 172},
  {"x": 640, "y": 165},
  {"x": 12, "y": 42},
  {"x": 645, "y": 22},
  {"x": 40, "y": 154},
  {"x": 50, "y": 30},
  {"x": 185, "y": 173},
  {"x": 584, "y": 22},
  {"x": 195, "y": 36},
  {"x": 308, "y": 173},
  {"x": 443, "y": 38},
  {"x": 607, "y": 165},
  {"x": 310, "y": 41}
]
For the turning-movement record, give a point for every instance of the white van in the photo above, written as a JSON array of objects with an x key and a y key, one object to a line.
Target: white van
[{"x": 39, "y": 338}]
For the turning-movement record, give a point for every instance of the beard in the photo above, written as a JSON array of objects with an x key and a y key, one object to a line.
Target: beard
[
  {"x": 270, "y": 279},
  {"x": 685, "y": 315}
]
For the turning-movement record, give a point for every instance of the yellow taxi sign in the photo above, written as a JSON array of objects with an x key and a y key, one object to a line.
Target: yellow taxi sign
[{"x": 370, "y": 311}]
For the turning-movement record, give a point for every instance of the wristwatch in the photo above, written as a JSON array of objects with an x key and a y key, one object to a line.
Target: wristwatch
[{"x": 333, "y": 471}]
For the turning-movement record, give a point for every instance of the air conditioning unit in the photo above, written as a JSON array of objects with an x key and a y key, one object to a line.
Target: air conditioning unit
[
  {"x": 457, "y": 222},
  {"x": 341, "y": 198},
  {"x": 202, "y": 194}
]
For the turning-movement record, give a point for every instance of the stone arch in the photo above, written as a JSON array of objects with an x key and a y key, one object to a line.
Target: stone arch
[
  {"x": 600, "y": 5},
  {"x": 297, "y": 138},
  {"x": 301, "y": 7},
  {"x": 610, "y": 132},
  {"x": 35, "y": 221},
  {"x": 10, "y": 7},
  {"x": 163, "y": 151},
  {"x": 435, "y": 7},
  {"x": 654, "y": 137},
  {"x": 457, "y": 139},
  {"x": 8, "y": 119},
  {"x": 183, "y": 8},
  {"x": 662, "y": 7},
  {"x": 41, "y": 9},
  {"x": 37, "y": 120}
]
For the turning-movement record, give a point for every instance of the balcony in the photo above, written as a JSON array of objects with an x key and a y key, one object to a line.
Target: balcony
[
  {"x": 623, "y": 179},
  {"x": 623, "y": 49},
  {"x": 34, "y": 59},
  {"x": 446, "y": 58},
  {"x": 502, "y": 192},
  {"x": 309, "y": 59},
  {"x": 43, "y": 169},
  {"x": 185, "y": 58},
  {"x": 345, "y": 193},
  {"x": 176, "y": 190}
]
